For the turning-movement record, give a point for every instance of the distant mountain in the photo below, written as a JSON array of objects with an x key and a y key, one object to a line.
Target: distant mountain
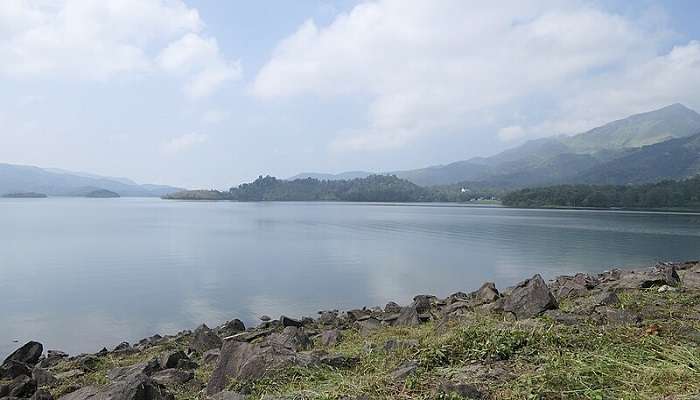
[
  {"x": 331, "y": 177},
  {"x": 672, "y": 159},
  {"x": 23, "y": 179},
  {"x": 585, "y": 157}
]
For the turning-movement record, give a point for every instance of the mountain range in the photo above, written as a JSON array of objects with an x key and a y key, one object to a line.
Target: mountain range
[
  {"x": 56, "y": 182},
  {"x": 642, "y": 148}
]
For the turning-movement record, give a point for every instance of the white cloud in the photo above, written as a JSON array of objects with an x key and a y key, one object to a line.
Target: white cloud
[
  {"x": 434, "y": 67},
  {"x": 182, "y": 143},
  {"x": 97, "y": 40}
]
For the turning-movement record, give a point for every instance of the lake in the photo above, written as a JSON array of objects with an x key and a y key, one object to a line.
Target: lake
[{"x": 80, "y": 274}]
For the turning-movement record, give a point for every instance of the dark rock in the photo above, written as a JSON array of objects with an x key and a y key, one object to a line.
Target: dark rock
[
  {"x": 618, "y": 316},
  {"x": 42, "y": 394},
  {"x": 368, "y": 326},
  {"x": 265, "y": 318},
  {"x": 12, "y": 369},
  {"x": 355, "y": 315},
  {"x": 186, "y": 363},
  {"x": 250, "y": 336},
  {"x": 487, "y": 293},
  {"x": 392, "y": 308},
  {"x": 211, "y": 356},
  {"x": 143, "y": 368},
  {"x": 231, "y": 328},
  {"x": 87, "y": 362},
  {"x": 170, "y": 359},
  {"x": 292, "y": 338},
  {"x": 529, "y": 298},
  {"x": 339, "y": 361},
  {"x": 404, "y": 371},
  {"x": 205, "y": 339},
  {"x": 29, "y": 353},
  {"x": 327, "y": 317},
  {"x": 407, "y": 317},
  {"x": 73, "y": 373},
  {"x": 43, "y": 377},
  {"x": 330, "y": 337},
  {"x": 286, "y": 321},
  {"x": 461, "y": 390},
  {"x": 122, "y": 347},
  {"x": 53, "y": 357},
  {"x": 645, "y": 278},
  {"x": 605, "y": 298},
  {"x": 172, "y": 376},
  {"x": 133, "y": 387},
  {"x": 423, "y": 303},
  {"x": 22, "y": 386}
]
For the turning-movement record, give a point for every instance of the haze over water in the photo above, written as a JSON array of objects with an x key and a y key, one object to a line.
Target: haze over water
[{"x": 80, "y": 274}]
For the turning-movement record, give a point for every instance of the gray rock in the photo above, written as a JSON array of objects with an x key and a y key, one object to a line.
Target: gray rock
[
  {"x": 392, "y": 308},
  {"x": 645, "y": 278},
  {"x": 22, "y": 386},
  {"x": 186, "y": 364},
  {"x": 171, "y": 358},
  {"x": 422, "y": 303},
  {"x": 287, "y": 321},
  {"x": 231, "y": 328},
  {"x": 265, "y": 318},
  {"x": 407, "y": 317},
  {"x": 12, "y": 369},
  {"x": 487, "y": 293},
  {"x": 529, "y": 298},
  {"x": 368, "y": 326},
  {"x": 43, "y": 377},
  {"x": 227, "y": 395},
  {"x": 211, "y": 356},
  {"x": 204, "y": 339},
  {"x": 172, "y": 376},
  {"x": 404, "y": 371},
  {"x": 133, "y": 387},
  {"x": 397, "y": 344},
  {"x": 29, "y": 353},
  {"x": 605, "y": 298},
  {"x": 327, "y": 317},
  {"x": 461, "y": 390},
  {"x": 143, "y": 368},
  {"x": 330, "y": 337},
  {"x": 292, "y": 338},
  {"x": 42, "y": 394},
  {"x": 53, "y": 357},
  {"x": 618, "y": 316}
]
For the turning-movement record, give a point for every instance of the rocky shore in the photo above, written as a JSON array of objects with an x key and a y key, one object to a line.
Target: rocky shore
[{"x": 619, "y": 334}]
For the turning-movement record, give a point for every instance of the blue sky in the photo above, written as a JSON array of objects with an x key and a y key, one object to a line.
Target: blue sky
[{"x": 210, "y": 94}]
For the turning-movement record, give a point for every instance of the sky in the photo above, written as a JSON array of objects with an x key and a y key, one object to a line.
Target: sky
[{"x": 209, "y": 94}]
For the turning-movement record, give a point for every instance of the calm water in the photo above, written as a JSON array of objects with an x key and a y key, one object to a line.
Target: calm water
[{"x": 79, "y": 274}]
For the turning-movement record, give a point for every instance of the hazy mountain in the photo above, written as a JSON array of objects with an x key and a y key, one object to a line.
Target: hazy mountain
[
  {"x": 672, "y": 159},
  {"x": 22, "y": 178},
  {"x": 568, "y": 158},
  {"x": 331, "y": 177}
]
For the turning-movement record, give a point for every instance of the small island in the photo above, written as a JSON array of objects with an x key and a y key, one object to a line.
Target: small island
[
  {"x": 25, "y": 195},
  {"x": 102, "y": 194}
]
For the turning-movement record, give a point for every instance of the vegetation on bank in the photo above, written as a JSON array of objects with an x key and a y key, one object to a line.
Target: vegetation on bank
[
  {"x": 666, "y": 194},
  {"x": 25, "y": 195},
  {"x": 374, "y": 188}
]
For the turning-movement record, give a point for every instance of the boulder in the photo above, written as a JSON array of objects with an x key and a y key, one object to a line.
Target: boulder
[
  {"x": 487, "y": 293},
  {"x": 227, "y": 395},
  {"x": 53, "y": 357},
  {"x": 186, "y": 363},
  {"x": 406, "y": 369},
  {"x": 662, "y": 274},
  {"x": 204, "y": 339},
  {"x": 292, "y": 338},
  {"x": 529, "y": 298},
  {"x": 327, "y": 317},
  {"x": 231, "y": 328},
  {"x": 29, "y": 353},
  {"x": 21, "y": 386},
  {"x": 43, "y": 377},
  {"x": 143, "y": 368},
  {"x": 265, "y": 318},
  {"x": 330, "y": 337},
  {"x": 171, "y": 358},
  {"x": 392, "y": 308},
  {"x": 42, "y": 394},
  {"x": 423, "y": 303},
  {"x": 287, "y": 321},
  {"x": 132, "y": 387},
  {"x": 461, "y": 391},
  {"x": 12, "y": 369},
  {"x": 73, "y": 373},
  {"x": 690, "y": 278},
  {"x": 172, "y": 376},
  {"x": 211, "y": 356},
  {"x": 407, "y": 317},
  {"x": 367, "y": 326}
]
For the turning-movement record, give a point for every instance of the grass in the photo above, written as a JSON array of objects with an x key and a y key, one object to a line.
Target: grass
[{"x": 534, "y": 359}]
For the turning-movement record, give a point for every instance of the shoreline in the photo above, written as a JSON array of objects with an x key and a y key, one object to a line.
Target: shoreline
[{"x": 484, "y": 334}]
